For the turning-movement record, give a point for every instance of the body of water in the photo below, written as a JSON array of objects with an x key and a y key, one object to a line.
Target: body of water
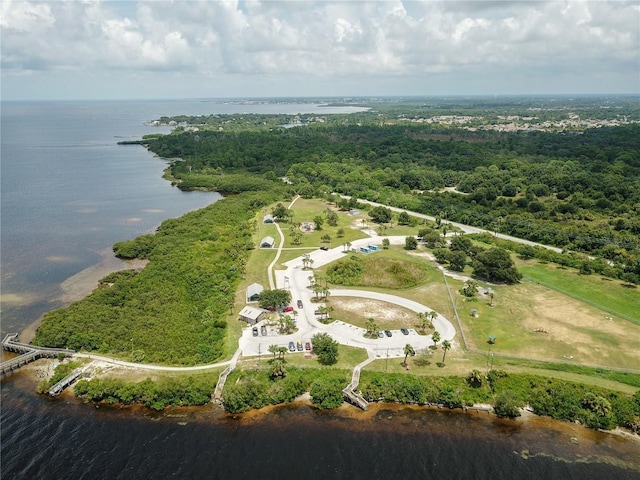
[{"x": 68, "y": 193}]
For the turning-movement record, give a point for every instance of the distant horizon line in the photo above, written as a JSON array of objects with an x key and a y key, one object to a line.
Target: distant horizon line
[{"x": 330, "y": 97}]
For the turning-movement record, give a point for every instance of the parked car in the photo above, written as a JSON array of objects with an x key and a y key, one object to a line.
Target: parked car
[
  {"x": 404, "y": 331},
  {"x": 324, "y": 248},
  {"x": 292, "y": 347},
  {"x": 380, "y": 334},
  {"x": 255, "y": 331},
  {"x": 299, "y": 345},
  {"x": 307, "y": 346},
  {"x": 388, "y": 333},
  {"x": 288, "y": 309},
  {"x": 263, "y": 330},
  {"x": 299, "y": 303}
]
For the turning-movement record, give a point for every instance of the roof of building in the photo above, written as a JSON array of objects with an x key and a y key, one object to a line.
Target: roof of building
[
  {"x": 251, "y": 312},
  {"x": 269, "y": 240},
  {"x": 253, "y": 289}
]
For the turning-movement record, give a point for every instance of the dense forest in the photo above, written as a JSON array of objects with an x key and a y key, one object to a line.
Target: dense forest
[
  {"x": 577, "y": 190},
  {"x": 174, "y": 310}
]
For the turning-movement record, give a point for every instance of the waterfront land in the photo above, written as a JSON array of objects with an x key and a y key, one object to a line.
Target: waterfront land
[{"x": 572, "y": 317}]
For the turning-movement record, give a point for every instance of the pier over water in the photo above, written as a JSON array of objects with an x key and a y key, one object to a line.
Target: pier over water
[{"x": 28, "y": 353}]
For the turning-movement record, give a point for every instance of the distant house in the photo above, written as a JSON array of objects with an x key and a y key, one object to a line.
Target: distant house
[
  {"x": 253, "y": 292},
  {"x": 252, "y": 315},
  {"x": 267, "y": 242},
  {"x": 268, "y": 218}
]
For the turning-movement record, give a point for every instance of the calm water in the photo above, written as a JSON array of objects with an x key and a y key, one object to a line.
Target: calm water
[{"x": 68, "y": 193}]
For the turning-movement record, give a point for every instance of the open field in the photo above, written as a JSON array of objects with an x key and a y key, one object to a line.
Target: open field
[
  {"x": 610, "y": 295},
  {"x": 305, "y": 210},
  {"x": 357, "y": 311}
]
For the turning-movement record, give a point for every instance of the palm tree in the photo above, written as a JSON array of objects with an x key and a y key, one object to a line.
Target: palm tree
[
  {"x": 328, "y": 310},
  {"x": 372, "y": 327},
  {"x": 278, "y": 369},
  {"x": 435, "y": 336},
  {"x": 273, "y": 349},
  {"x": 317, "y": 288},
  {"x": 312, "y": 280},
  {"x": 408, "y": 350},
  {"x": 445, "y": 346},
  {"x": 432, "y": 316}
]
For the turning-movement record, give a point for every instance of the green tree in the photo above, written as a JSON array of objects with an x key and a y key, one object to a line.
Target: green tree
[
  {"x": 319, "y": 221},
  {"x": 332, "y": 218},
  {"x": 277, "y": 369},
  {"x": 460, "y": 243},
  {"x": 372, "y": 328},
  {"x": 410, "y": 243},
  {"x": 475, "y": 379},
  {"x": 470, "y": 289},
  {"x": 340, "y": 233},
  {"x": 446, "y": 345},
  {"x": 380, "y": 214},
  {"x": 457, "y": 260},
  {"x": 507, "y": 404},
  {"x": 435, "y": 336},
  {"x": 326, "y": 348},
  {"x": 385, "y": 243},
  {"x": 408, "y": 350},
  {"x": 495, "y": 265},
  {"x": 403, "y": 218},
  {"x": 280, "y": 212},
  {"x": 273, "y": 299},
  {"x": 286, "y": 324},
  {"x": 432, "y": 316}
]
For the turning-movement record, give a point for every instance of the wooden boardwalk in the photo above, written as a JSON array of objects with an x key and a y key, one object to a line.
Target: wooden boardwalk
[
  {"x": 29, "y": 353},
  {"x": 349, "y": 392}
]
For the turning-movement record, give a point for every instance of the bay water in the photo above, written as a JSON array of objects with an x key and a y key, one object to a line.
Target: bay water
[{"x": 68, "y": 193}]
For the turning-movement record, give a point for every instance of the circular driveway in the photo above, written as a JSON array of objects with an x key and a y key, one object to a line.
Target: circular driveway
[{"x": 296, "y": 279}]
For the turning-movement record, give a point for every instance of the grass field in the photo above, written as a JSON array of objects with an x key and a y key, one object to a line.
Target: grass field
[{"x": 607, "y": 294}]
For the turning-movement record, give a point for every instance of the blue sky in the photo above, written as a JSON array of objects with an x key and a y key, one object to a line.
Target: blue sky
[{"x": 186, "y": 49}]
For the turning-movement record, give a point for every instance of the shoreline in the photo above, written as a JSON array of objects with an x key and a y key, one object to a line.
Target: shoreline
[
  {"x": 81, "y": 284},
  {"x": 43, "y": 369}
]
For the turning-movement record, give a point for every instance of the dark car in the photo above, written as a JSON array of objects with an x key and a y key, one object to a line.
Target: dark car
[
  {"x": 404, "y": 331},
  {"x": 299, "y": 303},
  {"x": 324, "y": 248},
  {"x": 292, "y": 347},
  {"x": 388, "y": 333},
  {"x": 307, "y": 346},
  {"x": 263, "y": 331},
  {"x": 255, "y": 331},
  {"x": 380, "y": 334}
]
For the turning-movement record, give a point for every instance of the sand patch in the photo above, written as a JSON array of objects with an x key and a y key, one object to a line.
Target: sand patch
[
  {"x": 16, "y": 299},
  {"x": 58, "y": 259},
  {"x": 83, "y": 283}
]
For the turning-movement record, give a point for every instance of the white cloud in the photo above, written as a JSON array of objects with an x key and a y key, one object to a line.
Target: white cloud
[{"x": 232, "y": 44}]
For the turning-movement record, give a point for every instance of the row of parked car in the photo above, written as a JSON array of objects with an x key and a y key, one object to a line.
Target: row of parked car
[
  {"x": 298, "y": 346},
  {"x": 263, "y": 331},
  {"x": 389, "y": 334}
]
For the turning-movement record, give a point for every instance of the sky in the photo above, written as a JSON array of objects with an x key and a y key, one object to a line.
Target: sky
[{"x": 229, "y": 48}]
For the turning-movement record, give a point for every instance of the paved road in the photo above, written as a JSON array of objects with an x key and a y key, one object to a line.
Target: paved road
[
  {"x": 296, "y": 279},
  {"x": 464, "y": 228}
]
